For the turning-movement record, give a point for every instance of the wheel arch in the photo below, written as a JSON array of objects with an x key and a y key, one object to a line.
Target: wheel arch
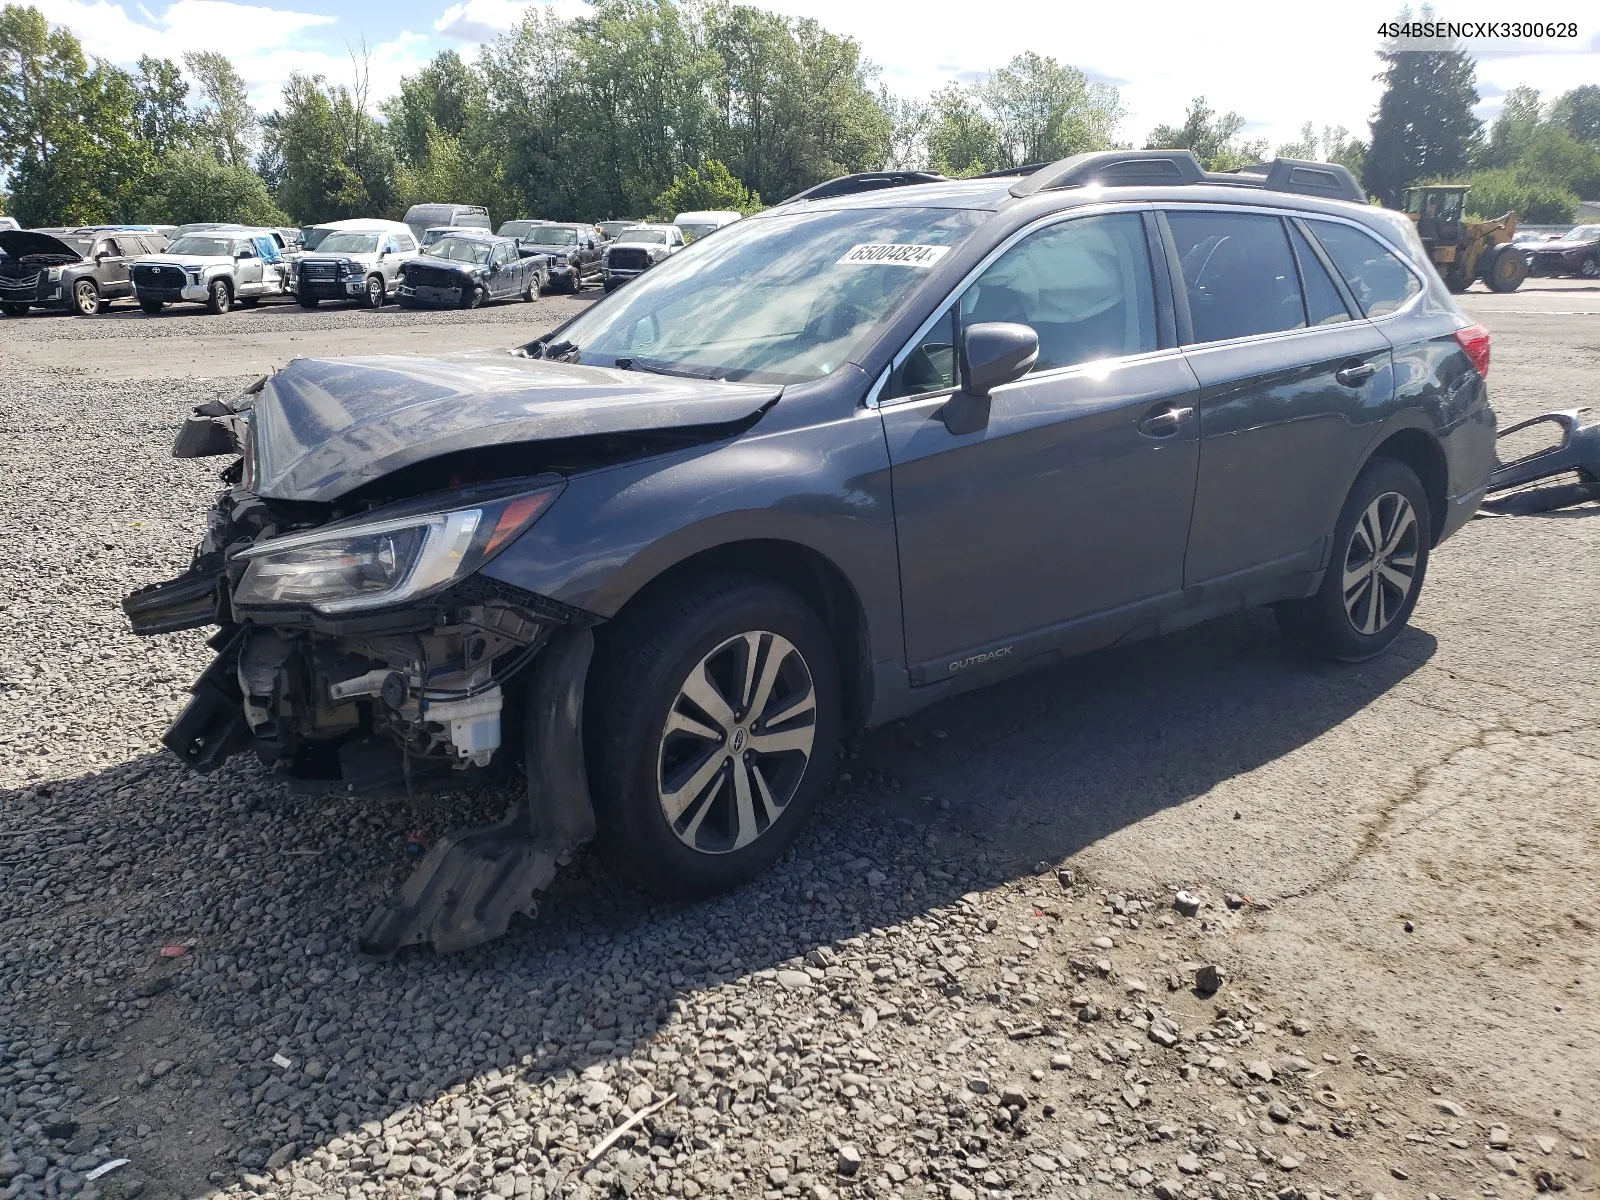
[
  {"x": 1422, "y": 452},
  {"x": 809, "y": 573}
]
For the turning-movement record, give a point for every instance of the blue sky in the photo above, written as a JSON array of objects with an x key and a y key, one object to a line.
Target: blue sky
[{"x": 1276, "y": 64}]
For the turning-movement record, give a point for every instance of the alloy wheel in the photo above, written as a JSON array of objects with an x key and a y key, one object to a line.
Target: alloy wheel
[
  {"x": 88, "y": 298},
  {"x": 1589, "y": 267},
  {"x": 374, "y": 293},
  {"x": 1380, "y": 563},
  {"x": 736, "y": 742}
]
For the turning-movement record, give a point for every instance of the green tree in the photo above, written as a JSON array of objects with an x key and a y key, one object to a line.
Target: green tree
[
  {"x": 326, "y": 156},
  {"x": 70, "y": 141},
  {"x": 1424, "y": 127},
  {"x": 224, "y": 121},
  {"x": 1519, "y": 118},
  {"x": 1339, "y": 147},
  {"x": 708, "y": 188},
  {"x": 1535, "y": 201},
  {"x": 1043, "y": 110},
  {"x": 190, "y": 184},
  {"x": 963, "y": 140},
  {"x": 1578, "y": 112},
  {"x": 163, "y": 112},
  {"x": 1305, "y": 148},
  {"x": 1213, "y": 138}
]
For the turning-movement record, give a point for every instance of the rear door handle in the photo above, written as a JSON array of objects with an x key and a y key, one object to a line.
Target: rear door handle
[
  {"x": 1164, "y": 421},
  {"x": 1356, "y": 374}
]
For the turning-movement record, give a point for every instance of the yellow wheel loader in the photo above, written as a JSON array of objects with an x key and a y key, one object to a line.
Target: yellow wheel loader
[{"x": 1464, "y": 250}]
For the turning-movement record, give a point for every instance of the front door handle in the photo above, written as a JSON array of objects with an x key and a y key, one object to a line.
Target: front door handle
[
  {"x": 1356, "y": 374},
  {"x": 1164, "y": 421}
]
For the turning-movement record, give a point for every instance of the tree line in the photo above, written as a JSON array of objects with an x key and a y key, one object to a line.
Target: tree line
[{"x": 647, "y": 107}]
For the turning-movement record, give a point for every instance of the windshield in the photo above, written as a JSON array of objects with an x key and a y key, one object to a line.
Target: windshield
[
  {"x": 202, "y": 245},
  {"x": 647, "y": 237},
  {"x": 550, "y": 235},
  {"x": 349, "y": 243},
  {"x": 1581, "y": 233},
  {"x": 612, "y": 228},
  {"x": 776, "y": 300},
  {"x": 516, "y": 229},
  {"x": 462, "y": 250},
  {"x": 696, "y": 229}
]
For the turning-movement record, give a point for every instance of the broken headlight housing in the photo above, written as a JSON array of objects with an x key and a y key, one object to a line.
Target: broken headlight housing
[{"x": 357, "y": 566}]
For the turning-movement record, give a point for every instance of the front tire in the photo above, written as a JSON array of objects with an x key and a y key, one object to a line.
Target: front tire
[
  {"x": 1589, "y": 268},
  {"x": 376, "y": 295},
  {"x": 152, "y": 307},
  {"x": 713, "y": 723},
  {"x": 1379, "y": 562},
  {"x": 1507, "y": 270},
  {"x": 309, "y": 301},
  {"x": 219, "y": 299},
  {"x": 14, "y": 310},
  {"x": 86, "y": 299}
]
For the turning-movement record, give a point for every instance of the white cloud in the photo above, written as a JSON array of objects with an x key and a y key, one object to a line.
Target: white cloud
[
  {"x": 485, "y": 20},
  {"x": 266, "y": 44}
]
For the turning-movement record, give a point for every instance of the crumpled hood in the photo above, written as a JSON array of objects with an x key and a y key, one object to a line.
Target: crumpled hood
[
  {"x": 323, "y": 427},
  {"x": 18, "y": 243}
]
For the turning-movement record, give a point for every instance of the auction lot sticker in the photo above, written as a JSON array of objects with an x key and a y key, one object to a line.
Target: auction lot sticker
[{"x": 895, "y": 254}]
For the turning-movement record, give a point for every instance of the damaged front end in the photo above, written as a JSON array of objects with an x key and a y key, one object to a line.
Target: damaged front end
[{"x": 358, "y": 648}]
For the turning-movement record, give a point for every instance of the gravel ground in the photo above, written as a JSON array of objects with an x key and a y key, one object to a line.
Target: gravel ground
[{"x": 910, "y": 1005}]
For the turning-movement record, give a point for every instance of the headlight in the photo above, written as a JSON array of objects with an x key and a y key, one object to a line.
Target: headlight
[
  {"x": 362, "y": 566},
  {"x": 52, "y": 273},
  {"x": 193, "y": 273}
]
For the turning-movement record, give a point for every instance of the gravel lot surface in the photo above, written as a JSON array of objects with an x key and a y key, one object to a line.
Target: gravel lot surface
[{"x": 1391, "y": 868}]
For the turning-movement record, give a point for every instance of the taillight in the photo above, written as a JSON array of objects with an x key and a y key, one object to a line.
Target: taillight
[{"x": 1474, "y": 340}]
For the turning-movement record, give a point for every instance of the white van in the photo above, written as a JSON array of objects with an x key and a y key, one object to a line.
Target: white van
[{"x": 698, "y": 224}]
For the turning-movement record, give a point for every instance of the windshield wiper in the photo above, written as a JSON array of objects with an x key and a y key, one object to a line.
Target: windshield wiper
[
  {"x": 553, "y": 349},
  {"x": 655, "y": 367}
]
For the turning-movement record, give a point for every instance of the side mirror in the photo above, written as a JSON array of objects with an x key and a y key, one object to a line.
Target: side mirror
[{"x": 991, "y": 353}]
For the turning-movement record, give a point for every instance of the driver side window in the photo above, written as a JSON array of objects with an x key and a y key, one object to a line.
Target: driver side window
[{"x": 1082, "y": 285}]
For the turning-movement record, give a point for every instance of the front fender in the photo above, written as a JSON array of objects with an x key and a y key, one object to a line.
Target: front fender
[{"x": 818, "y": 484}]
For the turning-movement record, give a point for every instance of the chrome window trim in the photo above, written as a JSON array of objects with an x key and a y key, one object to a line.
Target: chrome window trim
[{"x": 874, "y": 394}]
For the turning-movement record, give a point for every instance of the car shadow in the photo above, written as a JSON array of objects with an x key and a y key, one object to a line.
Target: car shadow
[{"x": 268, "y": 889}]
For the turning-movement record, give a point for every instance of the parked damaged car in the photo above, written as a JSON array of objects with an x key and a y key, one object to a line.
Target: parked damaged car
[
  {"x": 884, "y": 442},
  {"x": 82, "y": 270},
  {"x": 573, "y": 251},
  {"x": 464, "y": 270},
  {"x": 1576, "y": 252},
  {"x": 636, "y": 249}
]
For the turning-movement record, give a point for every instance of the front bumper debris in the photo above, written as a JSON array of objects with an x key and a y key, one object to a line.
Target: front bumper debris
[
  {"x": 473, "y": 883},
  {"x": 1577, "y": 453}
]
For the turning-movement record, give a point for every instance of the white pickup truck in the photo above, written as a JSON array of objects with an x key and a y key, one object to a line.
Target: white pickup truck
[{"x": 217, "y": 268}]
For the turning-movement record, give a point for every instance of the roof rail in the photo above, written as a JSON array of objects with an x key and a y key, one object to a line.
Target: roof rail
[
  {"x": 1114, "y": 168},
  {"x": 865, "y": 181},
  {"x": 1305, "y": 178},
  {"x": 1124, "y": 168},
  {"x": 1007, "y": 172}
]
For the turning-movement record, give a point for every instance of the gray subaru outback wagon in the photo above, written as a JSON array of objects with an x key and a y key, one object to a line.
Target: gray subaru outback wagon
[{"x": 896, "y": 437}]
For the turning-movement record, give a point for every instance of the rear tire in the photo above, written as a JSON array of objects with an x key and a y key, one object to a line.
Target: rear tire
[
  {"x": 86, "y": 299},
  {"x": 152, "y": 307},
  {"x": 1366, "y": 598},
  {"x": 691, "y": 802},
  {"x": 219, "y": 297},
  {"x": 1455, "y": 279}
]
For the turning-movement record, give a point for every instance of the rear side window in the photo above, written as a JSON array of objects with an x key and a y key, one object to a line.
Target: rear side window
[
  {"x": 1239, "y": 274},
  {"x": 1324, "y": 305},
  {"x": 1381, "y": 282}
]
